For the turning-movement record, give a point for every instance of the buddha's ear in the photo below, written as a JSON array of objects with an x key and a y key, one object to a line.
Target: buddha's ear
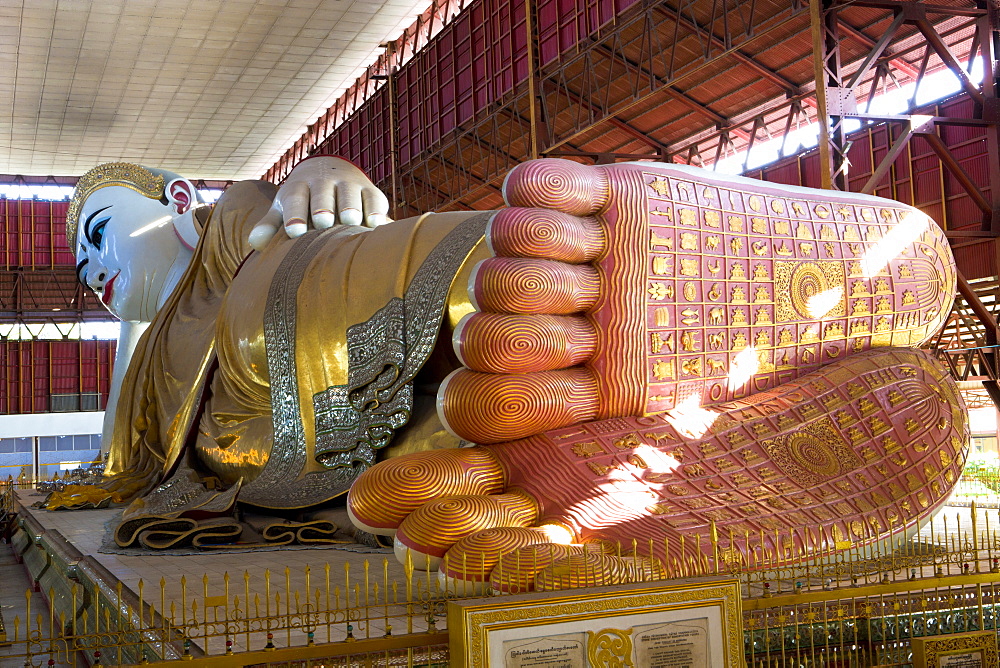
[{"x": 181, "y": 194}]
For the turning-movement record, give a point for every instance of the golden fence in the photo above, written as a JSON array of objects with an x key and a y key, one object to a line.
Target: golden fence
[
  {"x": 980, "y": 484},
  {"x": 802, "y": 606}
]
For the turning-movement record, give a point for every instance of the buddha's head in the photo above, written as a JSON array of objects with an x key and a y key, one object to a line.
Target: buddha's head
[{"x": 133, "y": 231}]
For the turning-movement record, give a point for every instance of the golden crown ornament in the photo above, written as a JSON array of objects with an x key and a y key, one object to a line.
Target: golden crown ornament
[{"x": 124, "y": 174}]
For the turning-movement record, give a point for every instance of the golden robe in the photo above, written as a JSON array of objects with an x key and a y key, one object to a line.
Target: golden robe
[{"x": 293, "y": 368}]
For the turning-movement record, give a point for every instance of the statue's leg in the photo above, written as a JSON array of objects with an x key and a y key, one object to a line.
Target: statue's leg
[
  {"x": 845, "y": 456},
  {"x": 632, "y": 289}
]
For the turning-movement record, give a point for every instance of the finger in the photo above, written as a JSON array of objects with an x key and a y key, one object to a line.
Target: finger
[
  {"x": 516, "y": 232},
  {"x": 376, "y": 207},
  {"x": 497, "y": 343},
  {"x": 431, "y": 530},
  {"x": 416, "y": 479},
  {"x": 349, "y": 204},
  {"x": 294, "y": 206},
  {"x": 261, "y": 235},
  {"x": 527, "y": 285},
  {"x": 493, "y": 407},
  {"x": 321, "y": 204},
  {"x": 563, "y": 185}
]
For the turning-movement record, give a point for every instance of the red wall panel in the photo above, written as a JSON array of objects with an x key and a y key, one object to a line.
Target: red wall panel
[
  {"x": 562, "y": 24},
  {"x": 33, "y": 234},
  {"x": 472, "y": 63},
  {"x": 31, "y": 371}
]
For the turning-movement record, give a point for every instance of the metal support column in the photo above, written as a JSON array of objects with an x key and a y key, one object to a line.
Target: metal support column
[
  {"x": 833, "y": 99},
  {"x": 537, "y": 138}
]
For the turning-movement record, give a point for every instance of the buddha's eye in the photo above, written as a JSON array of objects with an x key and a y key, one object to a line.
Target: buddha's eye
[{"x": 97, "y": 234}]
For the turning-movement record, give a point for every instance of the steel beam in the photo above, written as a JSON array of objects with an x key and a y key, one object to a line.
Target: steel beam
[{"x": 898, "y": 62}]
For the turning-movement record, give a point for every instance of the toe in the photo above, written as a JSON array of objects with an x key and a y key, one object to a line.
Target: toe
[
  {"x": 527, "y": 285},
  {"x": 539, "y": 233},
  {"x": 467, "y": 566},
  {"x": 497, "y": 343},
  {"x": 431, "y": 530},
  {"x": 596, "y": 568},
  {"x": 415, "y": 479},
  {"x": 557, "y": 184},
  {"x": 492, "y": 407}
]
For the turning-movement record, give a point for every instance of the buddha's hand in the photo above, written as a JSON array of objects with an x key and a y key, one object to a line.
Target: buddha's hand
[
  {"x": 631, "y": 289},
  {"x": 321, "y": 192},
  {"x": 843, "y": 457}
]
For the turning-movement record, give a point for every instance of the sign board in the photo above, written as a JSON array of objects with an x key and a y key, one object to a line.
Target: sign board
[
  {"x": 956, "y": 650},
  {"x": 687, "y": 624}
]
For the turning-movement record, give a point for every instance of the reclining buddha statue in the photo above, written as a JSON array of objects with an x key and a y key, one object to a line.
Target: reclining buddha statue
[{"x": 634, "y": 352}]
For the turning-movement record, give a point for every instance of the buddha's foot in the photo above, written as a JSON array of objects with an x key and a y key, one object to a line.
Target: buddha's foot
[
  {"x": 843, "y": 457},
  {"x": 636, "y": 288}
]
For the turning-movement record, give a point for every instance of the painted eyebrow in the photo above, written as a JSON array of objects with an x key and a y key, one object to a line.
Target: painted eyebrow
[{"x": 90, "y": 219}]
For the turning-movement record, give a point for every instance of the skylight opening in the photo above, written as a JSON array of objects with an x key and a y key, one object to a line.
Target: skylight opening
[{"x": 934, "y": 87}]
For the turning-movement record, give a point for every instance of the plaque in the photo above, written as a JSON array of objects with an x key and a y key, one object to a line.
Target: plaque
[
  {"x": 957, "y": 650},
  {"x": 693, "y": 623}
]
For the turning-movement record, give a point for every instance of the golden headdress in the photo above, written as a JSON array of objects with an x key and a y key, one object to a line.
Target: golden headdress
[{"x": 124, "y": 174}]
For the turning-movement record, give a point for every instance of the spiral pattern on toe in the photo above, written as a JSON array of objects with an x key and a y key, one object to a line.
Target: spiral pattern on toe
[
  {"x": 474, "y": 557},
  {"x": 524, "y": 285},
  {"x": 592, "y": 568},
  {"x": 515, "y": 571},
  {"x": 417, "y": 478},
  {"x": 491, "y": 408},
  {"x": 551, "y": 183},
  {"x": 436, "y": 526},
  {"x": 517, "y": 344},
  {"x": 545, "y": 234}
]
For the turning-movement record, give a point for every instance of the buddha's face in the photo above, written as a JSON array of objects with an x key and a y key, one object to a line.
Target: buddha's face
[{"x": 126, "y": 250}]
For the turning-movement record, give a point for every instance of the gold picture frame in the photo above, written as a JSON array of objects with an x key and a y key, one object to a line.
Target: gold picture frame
[
  {"x": 956, "y": 649},
  {"x": 698, "y": 622}
]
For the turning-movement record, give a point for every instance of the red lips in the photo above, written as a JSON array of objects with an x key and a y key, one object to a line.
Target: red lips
[{"x": 108, "y": 287}]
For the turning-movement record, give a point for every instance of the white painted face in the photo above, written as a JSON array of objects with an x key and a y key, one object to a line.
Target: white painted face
[{"x": 127, "y": 251}]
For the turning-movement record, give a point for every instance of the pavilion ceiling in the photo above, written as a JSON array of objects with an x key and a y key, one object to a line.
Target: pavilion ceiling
[{"x": 212, "y": 89}]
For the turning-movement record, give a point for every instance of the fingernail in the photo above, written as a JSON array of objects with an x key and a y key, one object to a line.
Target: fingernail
[
  {"x": 295, "y": 229},
  {"x": 376, "y": 219},
  {"x": 350, "y": 217},
  {"x": 259, "y": 236},
  {"x": 323, "y": 218}
]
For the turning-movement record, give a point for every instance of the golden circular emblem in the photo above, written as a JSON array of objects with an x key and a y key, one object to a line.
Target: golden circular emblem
[
  {"x": 807, "y": 281},
  {"x": 813, "y": 455}
]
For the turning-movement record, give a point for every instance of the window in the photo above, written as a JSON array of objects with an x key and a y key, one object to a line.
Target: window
[{"x": 984, "y": 444}]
